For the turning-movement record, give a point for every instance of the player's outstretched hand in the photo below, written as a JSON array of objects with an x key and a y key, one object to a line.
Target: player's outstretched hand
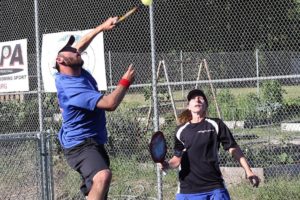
[
  {"x": 109, "y": 23},
  {"x": 254, "y": 180},
  {"x": 164, "y": 166},
  {"x": 129, "y": 74}
]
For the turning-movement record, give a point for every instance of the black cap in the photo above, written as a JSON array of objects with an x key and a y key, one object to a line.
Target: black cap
[
  {"x": 196, "y": 92},
  {"x": 68, "y": 46}
]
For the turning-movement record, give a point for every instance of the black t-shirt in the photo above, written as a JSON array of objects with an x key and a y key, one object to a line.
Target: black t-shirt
[{"x": 198, "y": 145}]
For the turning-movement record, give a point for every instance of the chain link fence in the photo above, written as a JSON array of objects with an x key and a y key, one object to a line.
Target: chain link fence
[{"x": 244, "y": 54}]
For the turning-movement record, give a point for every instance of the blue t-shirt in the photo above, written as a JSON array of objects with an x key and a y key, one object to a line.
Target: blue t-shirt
[{"x": 78, "y": 97}]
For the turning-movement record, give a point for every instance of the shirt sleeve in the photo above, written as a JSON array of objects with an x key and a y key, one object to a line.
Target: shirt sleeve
[
  {"x": 225, "y": 136},
  {"x": 178, "y": 144},
  {"x": 82, "y": 95}
]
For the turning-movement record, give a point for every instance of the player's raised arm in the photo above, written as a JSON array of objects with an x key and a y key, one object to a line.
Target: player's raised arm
[
  {"x": 112, "y": 101},
  {"x": 85, "y": 41}
]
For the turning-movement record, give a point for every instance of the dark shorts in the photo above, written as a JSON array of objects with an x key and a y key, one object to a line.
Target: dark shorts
[{"x": 87, "y": 158}]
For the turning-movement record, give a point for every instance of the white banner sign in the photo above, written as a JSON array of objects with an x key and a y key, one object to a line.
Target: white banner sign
[
  {"x": 93, "y": 57},
  {"x": 14, "y": 66}
]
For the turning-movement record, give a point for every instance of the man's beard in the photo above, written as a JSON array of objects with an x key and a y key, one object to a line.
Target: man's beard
[{"x": 77, "y": 65}]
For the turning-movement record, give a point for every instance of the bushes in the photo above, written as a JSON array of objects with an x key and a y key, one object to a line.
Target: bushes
[
  {"x": 248, "y": 106},
  {"x": 18, "y": 116},
  {"x": 126, "y": 135},
  {"x": 23, "y": 116},
  {"x": 292, "y": 109},
  {"x": 227, "y": 103},
  {"x": 267, "y": 107},
  {"x": 263, "y": 156},
  {"x": 272, "y": 92}
]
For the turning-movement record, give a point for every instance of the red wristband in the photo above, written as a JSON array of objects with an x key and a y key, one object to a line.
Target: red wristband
[{"x": 124, "y": 82}]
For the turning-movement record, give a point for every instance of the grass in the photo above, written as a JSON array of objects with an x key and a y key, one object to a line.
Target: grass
[
  {"x": 67, "y": 181},
  {"x": 275, "y": 189},
  {"x": 291, "y": 92},
  {"x": 133, "y": 179},
  {"x": 139, "y": 181}
]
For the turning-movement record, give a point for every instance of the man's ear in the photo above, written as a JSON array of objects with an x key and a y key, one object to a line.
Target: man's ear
[{"x": 59, "y": 60}]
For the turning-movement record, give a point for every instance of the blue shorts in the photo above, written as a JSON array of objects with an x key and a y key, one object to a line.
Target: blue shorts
[{"x": 218, "y": 194}]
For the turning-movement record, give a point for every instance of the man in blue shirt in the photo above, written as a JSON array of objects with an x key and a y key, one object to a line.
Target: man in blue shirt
[{"x": 83, "y": 132}]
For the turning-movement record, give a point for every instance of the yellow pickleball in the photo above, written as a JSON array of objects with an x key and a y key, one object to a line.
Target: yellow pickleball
[{"x": 147, "y": 2}]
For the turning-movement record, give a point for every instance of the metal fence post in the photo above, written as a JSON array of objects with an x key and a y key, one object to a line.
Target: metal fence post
[
  {"x": 49, "y": 169},
  {"x": 45, "y": 175},
  {"x": 154, "y": 95}
]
